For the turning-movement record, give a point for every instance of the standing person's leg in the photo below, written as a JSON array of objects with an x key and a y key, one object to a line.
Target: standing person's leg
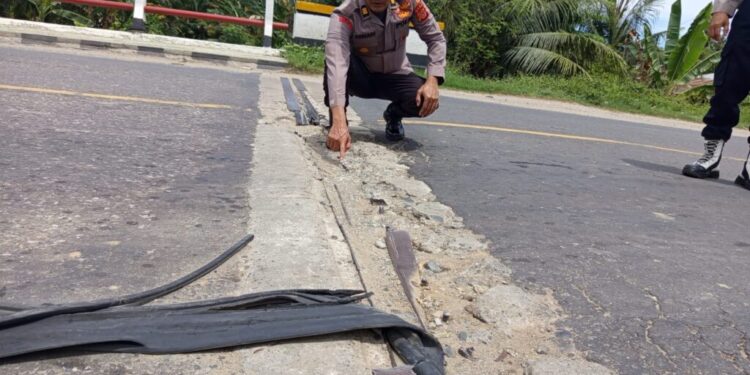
[
  {"x": 742, "y": 51},
  {"x": 732, "y": 82},
  {"x": 401, "y": 90}
]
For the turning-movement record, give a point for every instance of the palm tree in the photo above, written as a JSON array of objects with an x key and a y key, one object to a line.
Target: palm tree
[
  {"x": 551, "y": 40},
  {"x": 618, "y": 21}
]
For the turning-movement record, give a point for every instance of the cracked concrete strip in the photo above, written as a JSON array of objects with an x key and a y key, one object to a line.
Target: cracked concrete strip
[
  {"x": 463, "y": 288},
  {"x": 297, "y": 246}
]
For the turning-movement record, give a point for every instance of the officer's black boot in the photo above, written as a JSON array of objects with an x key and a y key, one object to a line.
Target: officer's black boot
[
  {"x": 394, "y": 129},
  {"x": 744, "y": 178},
  {"x": 704, "y": 167}
]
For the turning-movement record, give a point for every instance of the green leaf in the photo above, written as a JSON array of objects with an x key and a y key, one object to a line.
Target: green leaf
[
  {"x": 72, "y": 16},
  {"x": 575, "y": 47},
  {"x": 673, "y": 31},
  {"x": 690, "y": 47},
  {"x": 702, "y": 67},
  {"x": 539, "y": 61}
]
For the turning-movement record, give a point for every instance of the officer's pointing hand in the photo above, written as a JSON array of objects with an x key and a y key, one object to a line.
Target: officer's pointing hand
[
  {"x": 719, "y": 23},
  {"x": 339, "y": 138},
  {"x": 428, "y": 97}
]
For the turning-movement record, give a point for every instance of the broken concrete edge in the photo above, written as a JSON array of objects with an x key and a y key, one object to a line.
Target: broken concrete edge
[
  {"x": 63, "y": 35},
  {"x": 492, "y": 296}
]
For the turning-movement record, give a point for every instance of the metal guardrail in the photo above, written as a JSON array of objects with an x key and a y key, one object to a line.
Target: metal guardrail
[{"x": 140, "y": 7}]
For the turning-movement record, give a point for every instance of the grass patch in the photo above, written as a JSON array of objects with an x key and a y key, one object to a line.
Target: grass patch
[
  {"x": 601, "y": 90},
  {"x": 304, "y": 59}
]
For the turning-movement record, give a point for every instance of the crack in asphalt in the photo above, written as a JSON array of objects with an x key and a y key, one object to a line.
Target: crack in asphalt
[
  {"x": 729, "y": 357},
  {"x": 597, "y": 306},
  {"x": 662, "y": 351},
  {"x": 742, "y": 346},
  {"x": 657, "y": 303}
]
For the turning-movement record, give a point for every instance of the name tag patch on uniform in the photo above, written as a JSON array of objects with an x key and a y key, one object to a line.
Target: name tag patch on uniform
[
  {"x": 364, "y": 12},
  {"x": 364, "y": 35},
  {"x": 421, "y": 12}
]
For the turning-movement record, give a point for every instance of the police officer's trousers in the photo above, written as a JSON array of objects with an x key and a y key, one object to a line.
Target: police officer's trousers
[
  {"x": 400, "y": 89},
  {"x": 731, "y": 79}
]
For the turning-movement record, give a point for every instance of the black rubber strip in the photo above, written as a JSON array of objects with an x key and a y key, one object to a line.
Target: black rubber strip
[
  {"x": 31, "y": 315},
  {"x": 272, "y": 316},
  {"x": 312, "y": 114},
  {"x": 247, "y": 301}
]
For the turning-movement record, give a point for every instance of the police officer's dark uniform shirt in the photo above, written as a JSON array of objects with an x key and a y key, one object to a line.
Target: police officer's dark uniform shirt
[
  {"x": 732, "y": 75},
  {"x": 380, "y": 46}
]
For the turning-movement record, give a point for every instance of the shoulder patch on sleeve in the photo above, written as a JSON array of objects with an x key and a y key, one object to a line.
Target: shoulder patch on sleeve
[
  {"x": 421, "y": 13},
  {"x": 346, "y": 21}
]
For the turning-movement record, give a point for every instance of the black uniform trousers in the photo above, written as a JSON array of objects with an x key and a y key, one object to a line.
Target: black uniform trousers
[
  {"x": 400, "y": 89},
  {"x": 731, "y": 79}
]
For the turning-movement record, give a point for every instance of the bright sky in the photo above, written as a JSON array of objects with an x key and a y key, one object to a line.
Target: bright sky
[{"x": 690, "y": 9}]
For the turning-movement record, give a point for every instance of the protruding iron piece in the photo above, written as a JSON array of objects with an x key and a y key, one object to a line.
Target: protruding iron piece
[
  {"x": 405, "y": 263},
  {"x": 312, "y": 114}
]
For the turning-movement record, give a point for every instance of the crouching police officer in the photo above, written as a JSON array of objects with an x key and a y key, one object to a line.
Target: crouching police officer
[
  {"x": 732, "y": 82},
  {"x": 366, "y": 57}
]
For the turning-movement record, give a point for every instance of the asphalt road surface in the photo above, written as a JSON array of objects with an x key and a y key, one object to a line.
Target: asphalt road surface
[
  {"x": 117, "y": 176},
  {"x": 650, "y": 267},
  {"x": 147, "y": 165}
]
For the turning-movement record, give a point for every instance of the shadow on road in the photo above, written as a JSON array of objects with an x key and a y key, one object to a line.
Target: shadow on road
[
  {"x": 669, "y": 169},
  {"x": 377, "y": 136}
]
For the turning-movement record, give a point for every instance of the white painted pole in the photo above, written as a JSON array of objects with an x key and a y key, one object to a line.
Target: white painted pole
[
  {"x": 268, "y": 24},
  {"x": 139, "y": 17}
]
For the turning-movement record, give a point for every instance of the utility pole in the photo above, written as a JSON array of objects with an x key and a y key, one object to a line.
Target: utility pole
[
  {"x": 139, "y": 16},
  {"x": 268, "y": 24}
]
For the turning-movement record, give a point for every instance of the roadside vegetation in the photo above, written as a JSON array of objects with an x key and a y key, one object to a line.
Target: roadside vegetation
[{"x": 597, "y": 52}]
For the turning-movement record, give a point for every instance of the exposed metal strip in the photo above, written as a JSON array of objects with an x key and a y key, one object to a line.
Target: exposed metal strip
[
  {"x": 312, "y": 114},
  {"x": 291, "y": 102}
]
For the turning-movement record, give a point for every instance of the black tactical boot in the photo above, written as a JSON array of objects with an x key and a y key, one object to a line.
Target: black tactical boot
[
  {"x": 394, "y": 129},
  {"x": 704, "y": 167},
  {"x": 744, "y": 178}
]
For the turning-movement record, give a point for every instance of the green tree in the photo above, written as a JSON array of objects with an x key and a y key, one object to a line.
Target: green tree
[
  {"x": 682, "y": 58},
  {"x": 43, "y": 11},
  {"x": 551, "y": 40},
  {"x": 496, "y": 37},
  {"x": 619, "y": 21}
]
